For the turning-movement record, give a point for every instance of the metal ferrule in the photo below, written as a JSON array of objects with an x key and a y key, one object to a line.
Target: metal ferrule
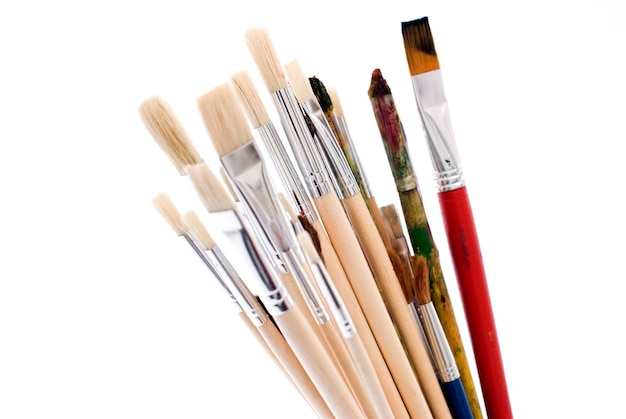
[
  {"x": 287, "y": 172},
  {"x": 247, "y": 171},
  {"x": 342, "y": 126},
  {"x": 215, "y": 271},
  {"x": 276, "y": 298},
  {"x": 246, "y": 299},
  {"x": 442, "y": 354},
  {"x": 343, "y": 177},
  {"x": 415, "y": 313},
  {"x": 433, "y": 108},
  {"x": 274, "y": 257},
  {"x": 333, "y": 299},
  {"x": 305, "y": 153}
]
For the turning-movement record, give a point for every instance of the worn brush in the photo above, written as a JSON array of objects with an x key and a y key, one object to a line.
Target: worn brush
[
  {"x": 336, "y": 225},
  {"x": 370, "y": 241},
  {"x": 456, "y": 210}
]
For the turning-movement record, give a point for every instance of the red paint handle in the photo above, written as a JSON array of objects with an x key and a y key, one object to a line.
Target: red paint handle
[{"x": 470, "y": 273}]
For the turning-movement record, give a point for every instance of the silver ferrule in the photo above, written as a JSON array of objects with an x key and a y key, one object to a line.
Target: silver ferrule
[
  {"x": 215, "y": 271},
  {"x": 442, "y": 354},
  {"x": 344, "y": 179},
  {"x": 274, "y": 257},
  {"x": 333, "y": 299},
  {"x": 287, "y": 172},
  {"x": 304, "y": 151},
  {"x": 241, "y": 292},
  {"x": 433, "y": 109},
  {"x": 349, "y": 149},
  {"x": 247, "y": 171},
  {"x": 274, "y": 294}
]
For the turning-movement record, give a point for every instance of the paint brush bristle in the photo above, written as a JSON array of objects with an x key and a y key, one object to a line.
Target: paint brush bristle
[
  {"x": 250, "y": 99},
  {"x": 421, "y": 284},
  {"x": 198, "y": 230},
  {"x": 419, "y": 46},
  {"x": 404, "y": 278},
  {"x": 335, "y": 102},
  {"x": 224, "y": 119},
  {"x": 391, "y": 215},
  {"x": 299, "y": 81},
  {"x": 164, "y": 205},
  {"x": 212, "y": 193},
  {"x": 378, "y": 85},
  {"x": 264, "y": 54},
  {"x": 168, "y": 133}
]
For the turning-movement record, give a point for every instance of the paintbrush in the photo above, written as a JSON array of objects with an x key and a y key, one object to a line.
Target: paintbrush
[
  {"x": 290, "y": 317},
  {"x": 335, "y": 221},
  {"x": 240, "y": 157},
  {"x": 457, "y": 214},
  {"x": 422, "y": 242},
  {"x": 264, "y": 328},
  {"x": 442, "y": 354},
  {"x": 168, "y": 133},
  {"x": 333, "y": 111},
  {"x": 370, "y": 241}
]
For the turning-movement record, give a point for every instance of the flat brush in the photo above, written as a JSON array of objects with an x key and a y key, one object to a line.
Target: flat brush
[
  {"x": 422, "y": 242},
  {"x": 457, "y": 214},
  {"x": 264, "y": 328},
  {"x": 233, "y": 142},
  {"x": 337, "y": 226},
  {"x": 442, "y": 354},
  {"x": 168, "y": 132},
  {"x": 371, "y": 243}
]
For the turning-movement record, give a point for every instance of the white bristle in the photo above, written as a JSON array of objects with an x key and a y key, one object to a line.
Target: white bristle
[
  {"x": 250, "y": 99},
  {"x": 299, "y": 81},
  {"x": 164, "y": 205},
  {"x": 198, "y": 230},
  {"x": 262, "y": 50},
  {"x": 209, "y": 188}
]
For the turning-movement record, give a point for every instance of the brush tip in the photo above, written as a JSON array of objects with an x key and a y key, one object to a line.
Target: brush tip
[
  {"x": 224, "y": 119},
  {"x": 321, "y": 93},
  {"x": 421, "y": 284},
  {"x": 198, "y": 230},
  {"x": 334, "y": 98},
  {"x": 250, "y": 99},
  {"x": 390, "y": 214},
  {"x": 168, "y": 132},
  {"x": 299, "y": 81},
  {"x": 209, "y": 188},
  {"x": 419, "y": 46},
  {"x": 264, "y": 55},
  {"x": 164, "y": 205},
  {"x": 378, "y": 85}
]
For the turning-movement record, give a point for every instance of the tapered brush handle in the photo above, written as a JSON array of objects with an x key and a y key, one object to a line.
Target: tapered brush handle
[
  {"x": 393, "y": 295},
  {"x": 473, "y": 288},
  {"x": 457, "y": 399},
  {"x": 342, "y": 284},
  {"x": 277, "y": 348},
  {"x": 318, "y": 364}
]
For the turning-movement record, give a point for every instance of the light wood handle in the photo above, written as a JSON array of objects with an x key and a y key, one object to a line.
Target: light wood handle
[
  {"x": 390, "y": 287},
  {"x": 356, "y": 267}
]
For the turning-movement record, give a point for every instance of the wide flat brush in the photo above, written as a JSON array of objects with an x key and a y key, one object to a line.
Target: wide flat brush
[
  {"x": 336, "y": 222},
  {"x": 264, "y": 328},
  {"x": 457, "y": 214},
  {"x": 442, "y": 354},
  {"x": 371, "y": 242},
  {"x": 416, "y": 221},
  {"x": 233, "y": 141}
]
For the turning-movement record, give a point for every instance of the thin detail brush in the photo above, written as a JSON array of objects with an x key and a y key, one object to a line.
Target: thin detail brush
[
  {"x": 264, "y": 329},
  {"x": 422, "y": 242},
  {"x": 442, "y": 354},
  {"x": 371, "y": 243},
  {"x": 168, "y": 133},
  {"x": 457, "y": 214},
  {"x": 335, "y": 221},
  {"x": 290, "y": 317}
]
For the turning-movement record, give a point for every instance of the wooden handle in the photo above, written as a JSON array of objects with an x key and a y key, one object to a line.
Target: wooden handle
[
  {"x": 356, "y": 267},
  {"x": 390, "y": 287},
  {"x": 318, "y": 364},
  {"x": 274, "y": 343},
  {"x": 342, "y": 284}
]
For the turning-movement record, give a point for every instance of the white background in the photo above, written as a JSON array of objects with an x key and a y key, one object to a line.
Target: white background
[{"x": 105, "y": 313}]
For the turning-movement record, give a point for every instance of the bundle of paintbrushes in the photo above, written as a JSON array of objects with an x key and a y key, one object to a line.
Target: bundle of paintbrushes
[{"x": 356, "y": 316}]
